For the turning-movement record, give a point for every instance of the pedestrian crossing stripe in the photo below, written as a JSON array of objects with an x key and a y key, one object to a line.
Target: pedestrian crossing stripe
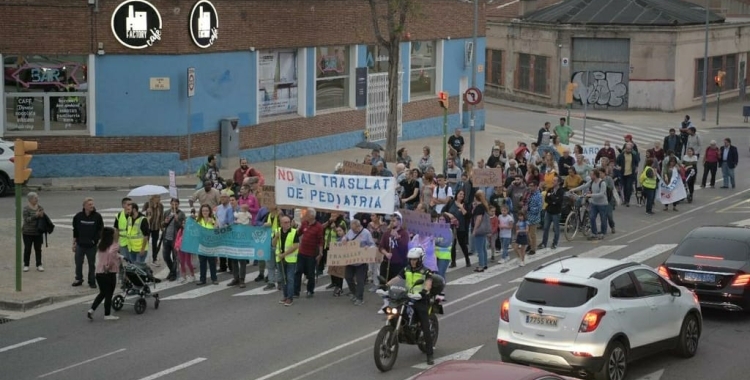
[
  {"x": 543, "y": 255},
  {"x": 742, "y": 223}
]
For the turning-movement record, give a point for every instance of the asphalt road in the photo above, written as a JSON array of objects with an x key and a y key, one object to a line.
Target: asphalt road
[{"x": 214, "y": 333}]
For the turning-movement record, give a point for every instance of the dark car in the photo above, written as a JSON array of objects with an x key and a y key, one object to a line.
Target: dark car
[
  {"x": 714, "y": 262},
  {"x": 486, "y": 370}
]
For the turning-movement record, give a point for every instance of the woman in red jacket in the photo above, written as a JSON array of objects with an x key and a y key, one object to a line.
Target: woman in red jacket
[{"x": 710, "y": 163}]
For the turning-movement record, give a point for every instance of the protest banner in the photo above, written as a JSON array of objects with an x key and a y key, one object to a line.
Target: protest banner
[
  {"x": 337, "y": 192},
  {"x": 672, "y": 192},
  {"x": 236, "y": 241},
  {"x": 589, "y": 153},
  {"x": 351, "y": 253},
  {"x": 353, "y": 168},
  {"x": 336, "y": 271},
  {"x": 420, "y": 223},
  {"x": 487, "y": 177},
  {"x": 267, "y": 197}
]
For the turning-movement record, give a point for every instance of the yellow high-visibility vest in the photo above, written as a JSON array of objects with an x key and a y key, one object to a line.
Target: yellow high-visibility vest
[{"x": 291, "y": 258}]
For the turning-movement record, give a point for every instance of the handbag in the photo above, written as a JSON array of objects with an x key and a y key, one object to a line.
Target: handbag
[{"x": 484, "y": 226}]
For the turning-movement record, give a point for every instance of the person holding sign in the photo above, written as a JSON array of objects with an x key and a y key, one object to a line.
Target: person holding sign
[
  {"x": 286, "y": 241},
  {"x": 357, "y": 272}
]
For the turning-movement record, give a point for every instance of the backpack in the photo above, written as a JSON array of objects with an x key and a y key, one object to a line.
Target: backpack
[
  {"x": 610, "y": 194},
  {"x": 45, "y": 225},
  {"x": 201, "y": 173}
]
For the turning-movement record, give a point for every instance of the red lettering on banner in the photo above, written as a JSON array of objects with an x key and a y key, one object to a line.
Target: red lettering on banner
[{"x": 284, "y": 175}]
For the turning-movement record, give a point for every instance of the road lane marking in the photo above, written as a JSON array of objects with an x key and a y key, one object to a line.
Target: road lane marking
[
  {"x": 17, "y": 345},
  {"x": 742, "y": 223},
  {"x": 660, "y": 229},
  {"x": 203, "y": 290},
  {"x": 734, "y": 206},
  {"x": 372, "y": 334},
  {"x": 653, "y": 375},
  {"x": 649, "y": 253},
  {"x": 681, "y": 214},
  {"x": 174, "y": 369},
  {"x": 81, "y": 363},
  {"x": 329, "y": 365},
  {"x": 594, "y": 253},
  {"x": 497, "y": 270},
  {"x": 462, "y": 355}
]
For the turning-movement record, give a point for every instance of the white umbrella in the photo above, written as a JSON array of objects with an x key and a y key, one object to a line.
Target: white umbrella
[{"x": 147, "y": 190}]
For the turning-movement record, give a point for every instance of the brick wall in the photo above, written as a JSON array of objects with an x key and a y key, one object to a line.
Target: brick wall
[
  {"x": 72, "y": 27},
  {"x": 256, "y": 136}
]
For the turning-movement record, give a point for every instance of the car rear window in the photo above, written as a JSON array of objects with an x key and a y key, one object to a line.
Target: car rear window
[
  {"x": 560, "y": 294},
  {"x": 723, "y": 248}
]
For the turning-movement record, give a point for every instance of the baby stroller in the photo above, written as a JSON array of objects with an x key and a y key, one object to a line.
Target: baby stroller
[{"x": 137, "y": 280}]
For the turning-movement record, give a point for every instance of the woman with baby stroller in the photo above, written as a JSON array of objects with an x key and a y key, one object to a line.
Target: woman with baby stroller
[{"x": 107, "y": 267}]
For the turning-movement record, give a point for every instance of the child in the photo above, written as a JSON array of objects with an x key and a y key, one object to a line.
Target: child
[
  {"x": 506, "y": 231},
  {"x": 494, "y": 230},
  {"x": 522, "y": 239},
  {"x": 243, "y": 216}
]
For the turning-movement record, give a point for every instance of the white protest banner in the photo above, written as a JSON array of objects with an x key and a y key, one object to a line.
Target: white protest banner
[
  {"x": 374, "y": 195},
  {"x": 172, "y": 184},
  {"x": 352, "y": 253},
  {"x": 589, "y": 152},
  {"x": 672, "y": 192}
]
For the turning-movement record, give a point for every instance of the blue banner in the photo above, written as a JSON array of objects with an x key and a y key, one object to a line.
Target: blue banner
[{"x": 235, "y": 242}]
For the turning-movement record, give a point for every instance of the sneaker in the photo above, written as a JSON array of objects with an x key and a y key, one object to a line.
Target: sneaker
[
  {"x": 331, "y": 286},
  {"x": 25, "y": 269},
  {"x": 352, "y": 298},
  {"x": 288, "y": 302},
  {"x": 282, "y": 301},
  {"x": 90, "y": 314},
  {"x": 242, "y": 284},
  {"x": 430, "y": 361},
  {"x": 200, "y": 283},
  {"x": 359, "y": 303},
  {"x": 233, "y": 283},
  {"x": 111, "y": 318},
  {"x": 184, "y": 280},
  {"x": 554, "y": 246},
  {"x": 613, "y": 230},
  {"x": 259, "y": 278},
  {"x": 541, "y": 246},
  {"x": 40, "y": 268},
  {"x": 92, "y": 286},
  {"x": 269, "y": 287},
  {"x": 215, "y": 282}
]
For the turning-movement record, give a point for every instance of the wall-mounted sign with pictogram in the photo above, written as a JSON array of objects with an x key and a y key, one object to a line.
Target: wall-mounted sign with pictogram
[
  {"x": 473, "y": 96},
  {"x": 191, "y": 81}
]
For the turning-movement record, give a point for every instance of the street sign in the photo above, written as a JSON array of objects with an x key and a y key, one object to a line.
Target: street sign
[
  {"x": 473, "y": 96},
  {"x": 191, "y": 82},
  {"x": 565, "y": 62}
]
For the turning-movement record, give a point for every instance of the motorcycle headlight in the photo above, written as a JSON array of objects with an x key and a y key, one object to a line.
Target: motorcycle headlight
[{"x": 391, "y": 310}]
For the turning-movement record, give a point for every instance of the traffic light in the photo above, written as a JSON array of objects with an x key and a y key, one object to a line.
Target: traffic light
[
  {"x": 21, "y": 160},
  {"x": 569, "y": 92},
  {"x": 443, "y": 99},
  {"x": 719, "y": 78}
]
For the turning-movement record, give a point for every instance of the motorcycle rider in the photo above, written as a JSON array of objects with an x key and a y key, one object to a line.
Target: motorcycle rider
[{"x": 411, "y": 274}]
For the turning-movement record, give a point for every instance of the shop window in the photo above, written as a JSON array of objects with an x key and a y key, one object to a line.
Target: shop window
[
  {"x": 377, "y": 59},
  {"x": 531, "y": 73},
  {"x": 45, "y": 93},
  {"x": 495, "y": 67},
  {"x": 423, "y": 68},
  {"x": 277, "y": 82},
  {"x": 728, "y": 63},
  {"x": 332, "y": 78}
]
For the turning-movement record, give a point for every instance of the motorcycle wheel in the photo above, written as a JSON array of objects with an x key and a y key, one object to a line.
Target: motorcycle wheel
[
  {"x": 386, "y": 349},
  {"x": 434, "y": 330}
]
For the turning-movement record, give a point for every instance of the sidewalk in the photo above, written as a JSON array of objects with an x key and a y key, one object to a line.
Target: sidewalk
[
  {"x": 53, "y": 285},
  {"x": 730, "y": 114}
]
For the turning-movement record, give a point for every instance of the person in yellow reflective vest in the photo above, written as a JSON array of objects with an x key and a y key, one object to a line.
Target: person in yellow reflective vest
[
  {"x": 648, "y": 180},
  {"x": 286, "y": 241},
  {"x": 121, "y": 225},
  {"x": 206, "y": 220},
  {"x": 138, "y": 234},
  {"x": 412, "y": 273}
]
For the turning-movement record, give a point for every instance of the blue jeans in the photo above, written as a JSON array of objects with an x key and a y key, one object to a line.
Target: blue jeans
[
  {"x": 554, "y": 221},
  {"x": 505, "y": 243},
  {"x": 480, "y": 246},
  {"x": 210, "y": 262},
  {"x": 443, "y": 267},
  {"x": 728, "y": 174},
  {"x": 136, "y": 257},
  {"x": 601, "y": 211},
  {"x": 289, "y": 270}
]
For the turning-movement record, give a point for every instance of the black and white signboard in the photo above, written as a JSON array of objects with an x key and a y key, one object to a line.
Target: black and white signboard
[
  {"x": 204, "y": 24},
  {"x": 136, "y": 24}
]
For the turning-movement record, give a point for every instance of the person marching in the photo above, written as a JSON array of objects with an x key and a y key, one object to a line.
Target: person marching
[
  {"x": 138, "y": 234},
  {"x": 286, "y": 241},
  {"x": 121, "y": 225},
  {"x": 107, "y": 267}
]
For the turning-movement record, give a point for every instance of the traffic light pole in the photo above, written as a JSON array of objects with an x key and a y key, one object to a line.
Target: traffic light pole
[
  {"x": 445, "y": 139},
  {"x": 19, "y": 189},
  {"x": 718, "y": 103}
]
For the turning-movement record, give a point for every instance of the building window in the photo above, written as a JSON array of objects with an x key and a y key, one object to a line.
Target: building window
[
  {"x": 45, "y": 93},
  {"x": 377, "y": 59},
  {"x": 728, "y": 63},
  {"x": 277, "y": 82},
  {"x": 495, "y": 67},
  {"x": 423, "y": 68},
  {"x": 332, "y": 77},
  {"x": 531, "y": 73}
]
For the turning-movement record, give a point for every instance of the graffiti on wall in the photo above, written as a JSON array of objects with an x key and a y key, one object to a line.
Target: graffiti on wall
[{"x": 605, "y": 88}]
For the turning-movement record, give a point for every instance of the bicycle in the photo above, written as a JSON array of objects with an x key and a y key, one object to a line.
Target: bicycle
[{"x": 578, "y": 219}]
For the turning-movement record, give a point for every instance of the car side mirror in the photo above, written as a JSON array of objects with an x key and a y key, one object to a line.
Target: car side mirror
[{"x": 675, "y": 292}]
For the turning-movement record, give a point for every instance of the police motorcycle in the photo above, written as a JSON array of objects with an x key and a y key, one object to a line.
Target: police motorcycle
[{"x": 401, "y": 325}]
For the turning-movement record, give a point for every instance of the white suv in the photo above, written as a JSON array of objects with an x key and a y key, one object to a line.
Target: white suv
[
  {"x": 591, "y": 317},
  {"x": 7, "y": 168}
]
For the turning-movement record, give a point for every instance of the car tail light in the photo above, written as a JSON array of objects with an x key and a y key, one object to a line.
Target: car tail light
[
  {"x": 707, "y": 257},
  {"x": 591, "y": 320},
  {"x": 581, "y": 354},
  {"x": 552, "y": 281},
  {"x": 741, "y": 280},
  {"x": 505, "y": 311},
  {"x": 663, "y": 271}
]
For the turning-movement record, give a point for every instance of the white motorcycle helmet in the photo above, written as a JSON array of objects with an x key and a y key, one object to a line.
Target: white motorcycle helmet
[{"x": 415, "y": 253}]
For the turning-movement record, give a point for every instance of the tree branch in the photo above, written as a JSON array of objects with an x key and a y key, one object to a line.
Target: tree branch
[{"x": 376, "y": 25}]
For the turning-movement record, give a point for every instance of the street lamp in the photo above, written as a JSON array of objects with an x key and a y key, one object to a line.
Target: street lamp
[{"x": 705, "y": 66}]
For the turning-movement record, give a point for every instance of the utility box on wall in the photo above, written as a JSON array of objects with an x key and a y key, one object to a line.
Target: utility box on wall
[{"x": 230, "y": 137}]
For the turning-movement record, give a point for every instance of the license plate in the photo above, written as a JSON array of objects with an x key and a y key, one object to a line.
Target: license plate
[
  {"x": 534, "y": 319},
  {"x": 699, "y": 277}
]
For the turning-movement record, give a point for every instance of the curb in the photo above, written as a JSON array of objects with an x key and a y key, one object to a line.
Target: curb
[
  {"x": 549, "y": 112},
  {"x": 24, "y": 306},
  {"x": 40, "y": 188}
]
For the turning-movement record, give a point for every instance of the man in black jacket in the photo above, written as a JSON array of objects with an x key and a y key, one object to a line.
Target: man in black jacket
[
  {"x": 728, "y": 159},
  {"x": 87, "y": 229},
  {"x": 554, "y": 200}
]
